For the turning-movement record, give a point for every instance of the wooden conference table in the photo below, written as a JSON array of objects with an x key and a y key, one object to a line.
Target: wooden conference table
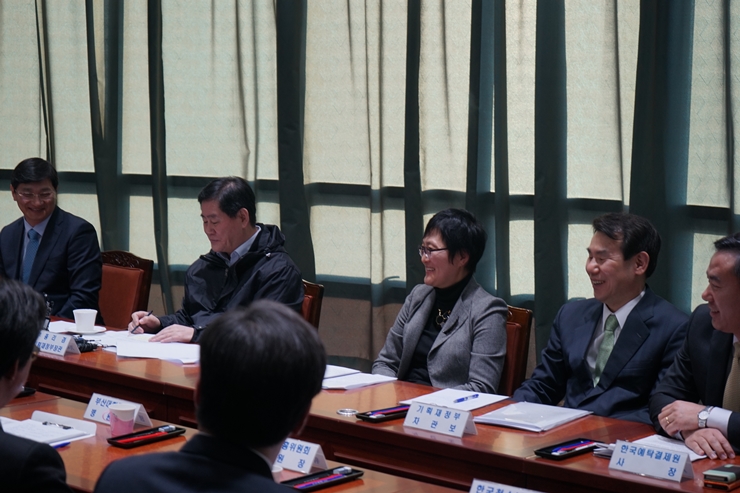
[
  {"x": 85, "y": 459},
  {"x": 494, "y": 454}
]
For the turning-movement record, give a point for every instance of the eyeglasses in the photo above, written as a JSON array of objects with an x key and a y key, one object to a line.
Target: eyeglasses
[
  {"x": 427, "y": 252},
  {"x": 35, "y": 352},
  {"x": 28, "y": 196}
]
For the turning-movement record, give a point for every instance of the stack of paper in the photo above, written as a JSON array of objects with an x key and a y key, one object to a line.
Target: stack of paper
[
  {"x": 463, "y": 400},
  {"x": 338, "y": 371},
  {"x": 354, "y": 381},
  {"x": 529, "y": 416}
]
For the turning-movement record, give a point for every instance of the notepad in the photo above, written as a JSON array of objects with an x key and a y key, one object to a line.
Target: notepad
[
  {"x": 447, "y": 398},
  {"x": 63, "y": 429},
  {"x": 530, "y": 416},
  {"x": 333, "y": 371}
]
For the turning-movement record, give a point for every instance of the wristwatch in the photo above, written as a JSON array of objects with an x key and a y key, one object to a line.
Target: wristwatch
[{"x": 704, "y": 416}]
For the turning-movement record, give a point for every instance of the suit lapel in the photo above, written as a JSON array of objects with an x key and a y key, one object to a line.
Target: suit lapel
[
  {"x": 16, "y": 240},
  {"x": 414, "y": 327},
  {"x": 632, "y": 336},
  {"x": 579, "y": 338},
  {"x": 48, "y": 242}
]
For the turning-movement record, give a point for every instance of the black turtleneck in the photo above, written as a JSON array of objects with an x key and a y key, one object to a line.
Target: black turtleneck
[{"x": 444, "y": 301}]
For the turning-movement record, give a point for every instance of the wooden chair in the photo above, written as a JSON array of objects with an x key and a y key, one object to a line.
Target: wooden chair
[
  {"x": 313, "y": 295},
  {"x": 125, "y": 287},
  {"x": 518, "y": 327}
]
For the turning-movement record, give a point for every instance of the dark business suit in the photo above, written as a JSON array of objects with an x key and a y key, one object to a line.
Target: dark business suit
[
  {"x": 647, "y": 343},
  {"x": 68, "y": 267},
  {"x": 205, "y": 463},
  {"x": 30, "y": 466},
  {"x": 699, "y": 372}
]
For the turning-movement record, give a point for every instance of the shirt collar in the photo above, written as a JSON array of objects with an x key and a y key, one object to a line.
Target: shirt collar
[
  {"x": 624, "y": 311},
  {"x": 241, "y": 250},
  {"x": 39, "y": 228}
]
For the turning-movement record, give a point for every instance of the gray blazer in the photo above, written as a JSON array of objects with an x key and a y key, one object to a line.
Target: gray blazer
[{"x": 469, "y": 351}]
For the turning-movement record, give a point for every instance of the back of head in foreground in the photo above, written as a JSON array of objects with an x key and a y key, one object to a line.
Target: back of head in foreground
[
  {"x": 264, "y": 362},
  {"x": 22, "y": 313}
]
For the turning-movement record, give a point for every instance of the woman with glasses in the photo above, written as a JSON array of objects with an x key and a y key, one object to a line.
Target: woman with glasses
[{"x": 450, "y": 332}]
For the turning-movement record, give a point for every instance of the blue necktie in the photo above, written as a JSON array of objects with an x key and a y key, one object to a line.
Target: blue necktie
[{"x": 31, "y": 249}]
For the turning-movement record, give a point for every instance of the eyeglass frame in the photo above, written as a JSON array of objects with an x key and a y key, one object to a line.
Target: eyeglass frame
[
  {"x": 29, "y": 196},
  {"x": 427, "y": 252}
]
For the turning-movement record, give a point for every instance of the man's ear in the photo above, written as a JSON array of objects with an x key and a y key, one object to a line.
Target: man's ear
[
  {"x": 243, "y": 215},
  {"x": 642, "y": 260}
]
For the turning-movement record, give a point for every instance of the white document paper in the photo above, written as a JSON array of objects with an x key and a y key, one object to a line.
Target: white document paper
[
  {"x": 530, "y": 416},
  {"x": 35, "y": 429},
  {"x": 447, "y": 398},
  {"x": 354, "y": 381},
  {"x": 671, "y": 444},
  {"x": 61, "y": 326},
  {"x": 172, "y": 351},
  {"x": 333, "y": 371}
]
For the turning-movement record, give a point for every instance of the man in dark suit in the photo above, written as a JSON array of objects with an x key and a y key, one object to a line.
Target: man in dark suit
[
  {"x": 606, "y": 354},
  {"x": 51, "y": 250},
  {"x": 707, "y": 367},
  {"x": 25, "y": 465},
  {"x": 260, "y": 367}
]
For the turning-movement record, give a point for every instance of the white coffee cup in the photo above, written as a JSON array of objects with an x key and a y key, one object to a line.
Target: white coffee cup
[
  {"x": 277, "y": 472},
  {"x": 85, "y": 319},
  {"x": 122, "y": 419}
]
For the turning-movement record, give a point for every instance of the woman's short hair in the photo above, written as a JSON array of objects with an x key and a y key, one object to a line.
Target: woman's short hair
[{"x": 461, "y": 232}]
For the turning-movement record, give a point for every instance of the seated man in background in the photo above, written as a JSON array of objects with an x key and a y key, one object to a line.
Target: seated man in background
[
  {"x": 707, "y": 367},
  {"x": 247, "y": 262},
  {"x": 53, "y": 251},
  {"x": 260, "y": 368},
  {"x": 607, "y": 354},
  {"x": 25, "y": 465}
]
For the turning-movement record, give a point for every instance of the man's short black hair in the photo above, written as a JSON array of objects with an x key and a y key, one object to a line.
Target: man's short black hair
[
  {"x": 22, "y": 312},
  {"x": 461, "y": 232},
  {"x": 233, "y": 194},
  {"x": 731, "y": 243},
  {"x": 636, "y": 234},
  {"x": 261, "y": 366},
  {"x": 33, "y": 170}
]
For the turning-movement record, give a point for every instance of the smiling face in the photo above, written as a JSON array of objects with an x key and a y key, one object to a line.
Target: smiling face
[
  {"x": 225, "y": 233},
  {"x": 723, "y": 292},
  {"x": 36, "y": 200},
  {"x": 615, "y": 281},
  {"x": 439, "y": 272}
]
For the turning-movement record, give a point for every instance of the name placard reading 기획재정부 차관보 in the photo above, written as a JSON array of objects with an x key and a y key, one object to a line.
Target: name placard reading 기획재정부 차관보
[
  {"x": 651, "y": 461},
  {"x": 440, "y": 420}
]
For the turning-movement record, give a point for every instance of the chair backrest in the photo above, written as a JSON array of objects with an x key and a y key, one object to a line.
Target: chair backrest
[
  {"x": 125, "y": 287},
  {"x": 313, "y": 295},
  {"x": 126, "y": 259},
  {"x": 518, "y": 327}
]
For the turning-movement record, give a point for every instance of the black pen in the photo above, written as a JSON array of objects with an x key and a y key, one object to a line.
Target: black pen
[{"x": 132, "y": 330}]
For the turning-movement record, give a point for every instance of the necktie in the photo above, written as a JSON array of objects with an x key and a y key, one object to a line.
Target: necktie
[
  {"x": 731, "y": 399},
  {"x": 607, "y": 344},
  {"x": 31, "y": 249}
]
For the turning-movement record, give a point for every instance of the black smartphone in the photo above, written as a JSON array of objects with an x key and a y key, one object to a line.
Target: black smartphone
[
  {"x": 380, "y": 415},
  {"x": 145, "y": 437},
  {"x": 26, "y": 392},
  {"x": 564, "y": 450},
  {"x": 324, "y": 479}
]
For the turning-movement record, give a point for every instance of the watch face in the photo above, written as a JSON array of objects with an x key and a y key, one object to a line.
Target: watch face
[{"x": 703, "y": 414}]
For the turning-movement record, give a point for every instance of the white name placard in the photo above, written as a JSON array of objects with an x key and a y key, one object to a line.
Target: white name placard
[
  {"x": 59, "y": 344},
  {"x": 97, "y": 410},
  {"x": 300, "y": 456},
  {"x": 489, "y": 487},
  {"x": 651, "y": 461},
  {"x": 438, "y": 419}
]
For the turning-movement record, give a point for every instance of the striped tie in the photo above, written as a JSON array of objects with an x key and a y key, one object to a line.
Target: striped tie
[
  {"x": 31, "y": 249},
  {"x": 731, "y": 399}
]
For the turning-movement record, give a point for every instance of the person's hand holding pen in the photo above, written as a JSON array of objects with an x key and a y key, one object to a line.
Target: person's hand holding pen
[{"x": 143, "y": 322}]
